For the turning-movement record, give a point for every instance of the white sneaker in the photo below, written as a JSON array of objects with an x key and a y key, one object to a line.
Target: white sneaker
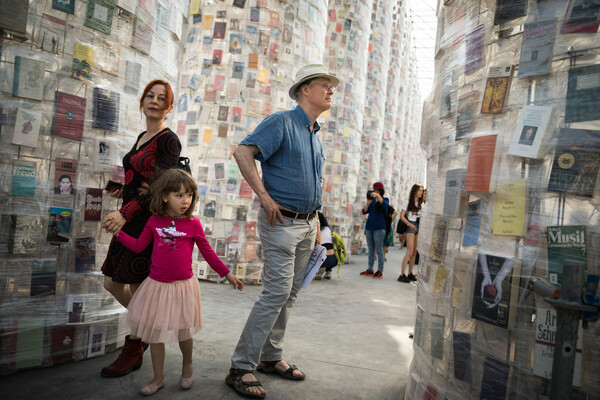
[
  {"x": 328, "y": 275},
  {"x": 319, "y": 274}
]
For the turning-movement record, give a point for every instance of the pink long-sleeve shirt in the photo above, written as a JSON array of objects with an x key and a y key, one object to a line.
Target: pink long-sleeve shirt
[{"x": 172, "y": 249}]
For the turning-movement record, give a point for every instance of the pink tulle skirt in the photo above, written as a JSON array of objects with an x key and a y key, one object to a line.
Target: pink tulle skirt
[{"x": 161, "y": 311}]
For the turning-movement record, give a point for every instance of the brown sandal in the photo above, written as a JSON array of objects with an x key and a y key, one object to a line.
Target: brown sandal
[
  {"x": 269, "y": 368},
  {"x": 234, "y": 379}
]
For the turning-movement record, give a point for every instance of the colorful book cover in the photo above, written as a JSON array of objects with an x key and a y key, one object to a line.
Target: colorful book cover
[
  {"x": 27, "y": 128},
  {"x": 67, "y": 6},
  {"x": 210, "y": 208},
  {"x": 583, "y": 94},
  {"x": 567, "y": 242},
  {"x": 576, "y": 163},
  {"x": 509, "y": 208},
  {"x": 496, "y": 89},
  {"x": 274, "y": 19},
  {"x": 536, "y": 48},
  {"x": 472, "y": 224},
  {"x": 219, "y": 30},
  {"x": 245, "y": 190},
  {"x": 51, "y": 36},
  {"x": 582, "y": 16},
  {"x": 65, "y": 170},
  {"x": 142, "y": 30},
  {"x": 494, "y": 380},
  {"x": 234, "y": 252},
  {"x": 461, "y": 342},
  {"x": 93, "y": 204},
  {"x": 23, "y": 178},
  {"x": 545, "y": 339},
  {"x": 530, "y": 131},
  {"x": 59, "y": 225},
  {"x": 84, "y": 60},
  {"x": 217, "y": 56},
  {"x": 465, "y": 119},
  {"x": 220, "y": 246},
  {"x": 492, "y": 290},
  {"x": 481, "y": 162},
  {"x": 219, "y": 83},
  {"x": 251, "y": 229},
  {"x": 69, "y": 116},
  {"x": 235, "y": 43},
  {"x": 99, "y": 15},
  {"x": 474, "y": 50},
  {"x": 254, "y": 15},
  {"x": 250, "y": 250},
  {"x": 85, "y": 254},
  {"x": 105, "y": 111},
  {"x": 43, "y": 276},
  {"x": 507, "y": 10},
  {"x": 63, "y": 337},
  {"x": 28, "y": 78}
]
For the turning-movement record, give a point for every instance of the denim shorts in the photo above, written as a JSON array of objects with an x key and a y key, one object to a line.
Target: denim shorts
[{"x": 409, "y": 230}]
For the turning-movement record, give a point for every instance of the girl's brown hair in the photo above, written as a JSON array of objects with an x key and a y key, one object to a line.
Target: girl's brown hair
[
  {"x": 411, "y": 199},
  {"x": 169, "y": 181},
  {"x": 169, "y": 97}
]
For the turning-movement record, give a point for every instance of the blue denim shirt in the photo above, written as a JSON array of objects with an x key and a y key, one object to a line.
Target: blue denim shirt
[
  {"x": 377, "y": 212},
  {"x": 291, "y": 159}
]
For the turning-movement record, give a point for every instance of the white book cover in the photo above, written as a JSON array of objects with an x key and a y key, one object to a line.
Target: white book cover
[
  {"x": 27, "y": 128},
  {"x": 96, "y": 344},
  {"x": 530, "y": 131},
  {"x": 104, "y": 155}
]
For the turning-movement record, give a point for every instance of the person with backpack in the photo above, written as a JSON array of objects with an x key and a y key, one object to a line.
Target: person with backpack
[
  {"x": 377, "y": 209},
  {"x": 327, "y": 242}
]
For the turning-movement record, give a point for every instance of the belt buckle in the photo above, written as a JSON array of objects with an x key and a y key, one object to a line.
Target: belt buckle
[{"x": 296, "y": 216}]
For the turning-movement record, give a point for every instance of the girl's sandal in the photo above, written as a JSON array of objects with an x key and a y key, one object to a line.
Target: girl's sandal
[
  {"x": 234, "y": 379},
  {"x": 268, "y": 367}
]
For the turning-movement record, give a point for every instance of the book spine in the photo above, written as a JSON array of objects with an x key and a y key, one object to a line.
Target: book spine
[{"x": 16, "y": 74}]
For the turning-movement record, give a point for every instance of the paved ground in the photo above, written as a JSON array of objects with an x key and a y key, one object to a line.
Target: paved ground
[{"x": 349, "y": 335}]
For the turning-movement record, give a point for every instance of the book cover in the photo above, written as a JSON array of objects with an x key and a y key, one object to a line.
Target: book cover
[
  {"x": 65, "y": 170},
  {"x": 217, "y": 57},
  {"x": 494, "y": 379},
  {"x": 59, "y": 225},
  {"x": 481, "y": 161},
  {"x": 96, "y": 343},
  {"x": 251, "y": 229},
  {"x": 446, "y": 95},
  {"x": 63, "y": 337},
  {"x": 474, "y": 50},
  {"x": 51, "y": 36},
  {"x": 238, "y": 70},
  {"x": 438, "y": 239},
  {"x": 23, "y": 178},
  {"x": 250, "y": 251},
  {"x": 143, "y": 30},
  {"x": 84, "y": 60},
  {"x": 67, "y": 6},
  {"x": 461, "y": 343},
  {"x": 536, "y": 48},
  {"x": 240, "y": 270},
  {"x": 465, "y": 119},
  {"x": 27, "y": 234},
  {"x": 431, "y": 392},
  {"x": 455, "y": 183},
  {"x": 509, "y": 208},
  {"x": 545, "y": 339},
  {"x": 583, "y": 94},
  {"x": 29, "y": 351},
  {"x": 133, "y": 72},
  {"x": 437, "y": 336},
  {"x": 7, "y": 233},
  {"x": 472, "y": 224},
  {"x": 235, "y": 43},
  {"x": 565, "y": 242},
  {"x": 492, "y": 289},
  {"x": 582, "y": 16},
  {"x": 69, "y": 116},
  {"x": 111, "y": 58},
  {"x": 440, "y": 284},
  {"x": 419, "y": 335},
  {"x": 219, "y": 30},
  {"x": 76, "y": 308},
  {"x": 27, "y": 128},
  {"x": 220, "y": 246},
  {"x": 99, "y": 15},
  {"x": 530, "y": 131},
  {"x": 28, "y": 78},
  {"x": 245, "y": 190},
  {"x": 242, "y": 213},
  {"x": 85, "y": 254},
  {"x": 234, "y": 251},
  {"x": 575, "y": 166},
  {"x": 43, "y": 276},
  {"x": 103, "y": 158},
  {"x": 507, "y": 10},
  {"x": 219, "y": 170},
  {"x": 93, "y": 204},
  {"x": 496, "y": 89},
  {"x": 210, "y": 208},
  {"x": 105, "y": 111}
]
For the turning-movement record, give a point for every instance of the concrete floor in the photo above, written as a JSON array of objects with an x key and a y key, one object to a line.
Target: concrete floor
[{"x": 348, "y": 334}]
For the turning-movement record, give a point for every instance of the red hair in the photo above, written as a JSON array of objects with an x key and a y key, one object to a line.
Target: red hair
[{"x": 169, "y": 98}]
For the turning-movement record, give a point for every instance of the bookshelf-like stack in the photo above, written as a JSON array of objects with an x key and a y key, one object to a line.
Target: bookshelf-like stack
[{"x": 511, "y": 129}]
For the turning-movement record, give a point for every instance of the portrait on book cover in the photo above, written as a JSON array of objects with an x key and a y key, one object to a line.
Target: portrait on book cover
[{"x": 528, "y": 135}]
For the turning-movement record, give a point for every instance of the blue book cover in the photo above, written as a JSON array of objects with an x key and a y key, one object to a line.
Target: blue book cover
[
  {"x": 23, "y": 179},
  {"x": 583, "y": 94},
  {"x": 472, "y": 224},
  {"x": 59, "y": 225},
  {"x": 462, "y": 356},
  {"x": 105, "y": 114},
  {"x": 494, "y": 380},
  {"x": 67, "y": 6}
]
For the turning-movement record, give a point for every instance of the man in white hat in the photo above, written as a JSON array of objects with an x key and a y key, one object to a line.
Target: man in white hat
[{"x": 291, "y": 156}]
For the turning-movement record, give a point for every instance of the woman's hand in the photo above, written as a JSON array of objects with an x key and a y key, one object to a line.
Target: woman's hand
[
  {"x": 235, "y": 282},
  {"x": 113, "y": 222},
  {"x": 116, "y": 193}
]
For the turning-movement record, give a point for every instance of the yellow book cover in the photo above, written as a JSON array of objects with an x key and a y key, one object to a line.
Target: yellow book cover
[
  {"x": 207, "y": 136},
  {"x": 496, "y": 88},
  {"x": 509, "y": 208},
  {"x": 263, "y": 73},
  {"x": 84, "y": 59},
  {"x": 207, "y": 21}
]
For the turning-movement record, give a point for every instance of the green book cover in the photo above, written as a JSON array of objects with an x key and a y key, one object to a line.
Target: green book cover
[
  {"x": 28, "y": 78},
  {"x": 99, "y": 15},
  {"x": 30, "y": 343},
  {"x": 565, "y": 242},
  {"x": 23, "y": 179}
]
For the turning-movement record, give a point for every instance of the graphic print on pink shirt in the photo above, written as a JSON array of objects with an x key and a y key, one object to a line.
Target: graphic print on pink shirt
[{"x": 169, "y": 235}]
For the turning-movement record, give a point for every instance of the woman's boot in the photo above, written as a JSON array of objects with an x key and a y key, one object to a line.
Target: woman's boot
[{"x": 130, "y": 359}]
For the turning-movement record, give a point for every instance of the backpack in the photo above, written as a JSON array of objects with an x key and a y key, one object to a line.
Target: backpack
[
  {"x": 184, "y": 164},
  {"x": 339, "y": 247}
]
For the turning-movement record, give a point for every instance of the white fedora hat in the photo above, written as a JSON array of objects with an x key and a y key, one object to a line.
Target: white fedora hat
[{"x": 311, "y": 71}]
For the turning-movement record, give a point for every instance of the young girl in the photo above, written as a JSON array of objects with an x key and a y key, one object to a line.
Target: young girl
[
  {"x": 410, "y": 214},
  {"x": 168, "y": 301}
]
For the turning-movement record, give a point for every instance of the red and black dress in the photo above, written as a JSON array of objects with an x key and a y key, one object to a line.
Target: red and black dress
[{"x": 140, "y": 165}]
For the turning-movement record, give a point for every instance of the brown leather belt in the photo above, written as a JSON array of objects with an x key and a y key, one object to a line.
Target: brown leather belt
[{"x": 295, "y": 215}]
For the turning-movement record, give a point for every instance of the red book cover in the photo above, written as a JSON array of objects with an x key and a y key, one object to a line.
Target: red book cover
[
  {"x": 251, "y": 229},
  {"x": 69, "y": 114},
  {"x": 62, "y": 343},
  {"x": 93, "y": 204},
  {"x": 250, "y": 251},
  {"x": 245, "y": 190},
  {"x": 481, "y": 161}
]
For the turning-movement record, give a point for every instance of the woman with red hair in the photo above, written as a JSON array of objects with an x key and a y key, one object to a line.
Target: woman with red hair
[{"x": 155, "y": 150}]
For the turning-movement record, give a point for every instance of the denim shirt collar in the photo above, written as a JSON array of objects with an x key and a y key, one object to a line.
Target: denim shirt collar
[{"x": 299, "y": 111}]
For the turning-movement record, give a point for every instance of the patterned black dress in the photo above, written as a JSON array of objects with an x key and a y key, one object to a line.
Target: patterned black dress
[{"x": 141, "y": 165}]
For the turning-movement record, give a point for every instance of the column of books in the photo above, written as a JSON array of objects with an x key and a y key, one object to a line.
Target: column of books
[
  {"x": 71, "y": 74},
  {"x": 241, "y": 58},
  {"x": 346, "y": 57},
  {"x": 513, "y": 142}
]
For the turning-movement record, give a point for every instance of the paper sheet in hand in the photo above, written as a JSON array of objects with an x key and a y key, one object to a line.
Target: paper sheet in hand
[{"x": 317, "y": 257}]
